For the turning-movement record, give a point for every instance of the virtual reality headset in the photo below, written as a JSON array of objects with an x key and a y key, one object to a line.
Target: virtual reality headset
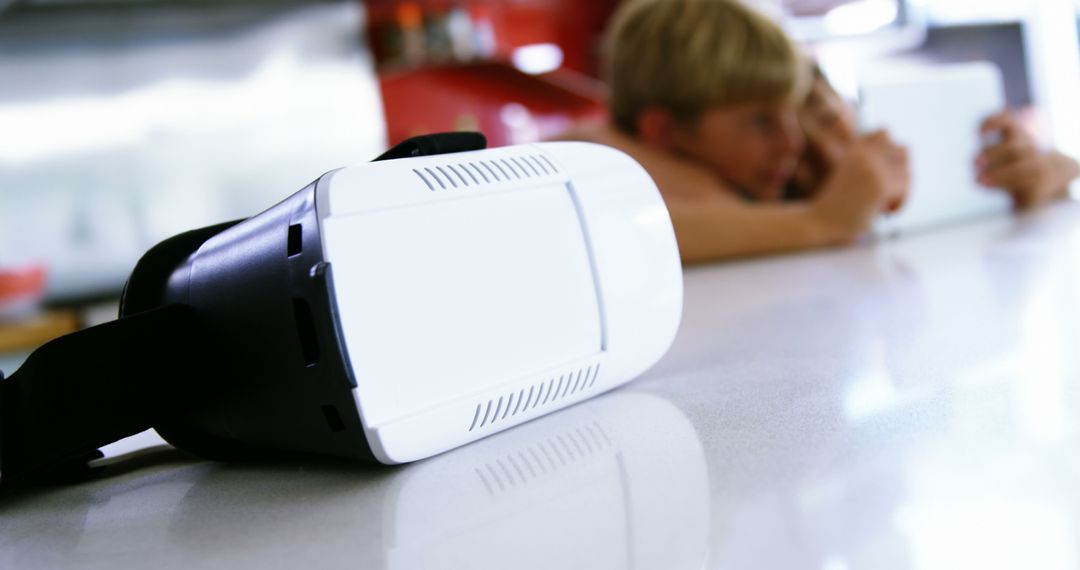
[{"x": 388, "y": 311}]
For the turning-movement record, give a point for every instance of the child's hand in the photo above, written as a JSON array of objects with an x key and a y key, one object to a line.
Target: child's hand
[
  {"x": 829, "y": 126},
  {"x": 871, "y": 178},
  {"x": 1015, "y": 164}
]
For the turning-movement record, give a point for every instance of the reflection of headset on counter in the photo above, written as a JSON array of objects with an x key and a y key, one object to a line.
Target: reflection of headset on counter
[
  {"x": 387, "y": 311},
  {"x": 618, "y": 482}
]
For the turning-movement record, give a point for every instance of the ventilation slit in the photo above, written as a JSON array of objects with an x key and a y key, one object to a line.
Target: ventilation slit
[
  {"x": 487, "y": 413},
  {"x": 475, "y": 418},
  {"x": 437, "y": 179},
  {"x": 521, "y": 397},
  {"x": 511, "y": 168},
  {"x": 529, "y": 400},
  {"x": 525, "y": 159},
  {"x": 455, "y": 171},
  {"x": 595, "y": 374},
  {"x": 333, "y": 419},
  {"x": 540, "y": 164},
  {"x": 567, "y": 388},
  {"x": 424, "y": 178},
  {"x": 557, "y": 389},
  {"x": 500, "y": 169},
  {"x": 529, "y": 163},
  {"x": 577, "y": 383},
  {"x": 549, "y": 386},
  {"x": 487, "y": 166},
  {"x": 481, "y": 173},
  {"x": 585, "y": 378},
  {"x": 509, "y": 403},
  {"x": 518, "y": 164},
  {"x": 471, "y": 175},
  {"x": 549, "y": 163},
  {"x": 588, "y": 378},
  {"x": 497, "y": 408},
  {"x": 305, "y": 328},
  {"x": 448, "y": 177},
  {"x": 296, "y": 240}
]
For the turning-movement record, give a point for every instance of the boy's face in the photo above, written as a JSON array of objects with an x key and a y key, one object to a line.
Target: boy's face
[{"x": 753, "y": 147}]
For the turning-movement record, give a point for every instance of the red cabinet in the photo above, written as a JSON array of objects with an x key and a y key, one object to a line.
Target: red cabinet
[{"x": 446, "y": 65}]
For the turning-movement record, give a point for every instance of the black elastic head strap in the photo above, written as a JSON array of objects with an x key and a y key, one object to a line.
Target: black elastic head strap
[
  {"x": 439, "y": 143},
  {"x": 91, "y": 388}
]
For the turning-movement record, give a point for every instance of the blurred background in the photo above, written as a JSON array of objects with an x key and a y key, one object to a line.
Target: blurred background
[{"x": 124, "y": 122}]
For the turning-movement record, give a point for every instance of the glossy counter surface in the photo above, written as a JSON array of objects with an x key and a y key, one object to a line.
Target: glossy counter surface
[{"x": 912, "y": 405}]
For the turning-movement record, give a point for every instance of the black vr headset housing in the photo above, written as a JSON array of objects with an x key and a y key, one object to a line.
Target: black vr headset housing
[{"x": 388, "y": 311}]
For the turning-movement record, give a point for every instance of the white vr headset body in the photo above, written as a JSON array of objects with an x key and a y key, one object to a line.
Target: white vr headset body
[
  {"x": 388, "y": 311},
  {"x": 478, "y": 290}
]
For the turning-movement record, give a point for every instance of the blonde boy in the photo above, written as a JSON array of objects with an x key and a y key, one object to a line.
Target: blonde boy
[{"x": 704, "y": 94}]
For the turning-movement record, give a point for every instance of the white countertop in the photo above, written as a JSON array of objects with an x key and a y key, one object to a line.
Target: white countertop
[{"x": 913, "y": 404}]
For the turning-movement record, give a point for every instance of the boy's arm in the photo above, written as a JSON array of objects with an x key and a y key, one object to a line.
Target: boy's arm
[
  {"x": 723, "y": 229},
  {"x": 872, "y": 177},
  {"x": 712, "y": 222}
]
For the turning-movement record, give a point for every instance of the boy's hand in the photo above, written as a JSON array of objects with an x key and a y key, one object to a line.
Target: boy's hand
[
  {"x": 872, "y": 177},
  {"x": 1015, "y": 164}
]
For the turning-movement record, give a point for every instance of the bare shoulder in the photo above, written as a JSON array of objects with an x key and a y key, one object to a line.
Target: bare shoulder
[{"x": 677, "y": 178}]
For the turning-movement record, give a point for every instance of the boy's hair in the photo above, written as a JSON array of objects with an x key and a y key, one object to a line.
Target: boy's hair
[{"x": 689, "y": 55}]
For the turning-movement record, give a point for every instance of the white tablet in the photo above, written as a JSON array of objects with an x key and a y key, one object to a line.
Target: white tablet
[{"x": 936, "y": 110}]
